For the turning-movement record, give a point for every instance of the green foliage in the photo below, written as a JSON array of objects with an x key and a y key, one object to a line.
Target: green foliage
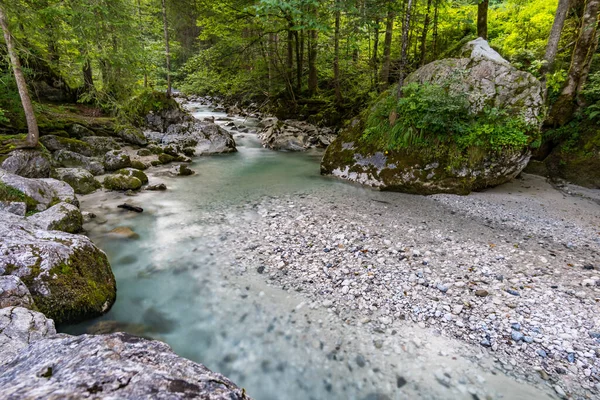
[
  {"x": 135, "y": 109},
  {"x": 430, "y": 115}
]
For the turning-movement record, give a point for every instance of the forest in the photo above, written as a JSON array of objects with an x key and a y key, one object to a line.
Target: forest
[{"x": 321, "y": 61}]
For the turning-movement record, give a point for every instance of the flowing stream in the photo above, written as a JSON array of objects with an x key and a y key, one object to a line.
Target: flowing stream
[{"x": 177, "y": 283}]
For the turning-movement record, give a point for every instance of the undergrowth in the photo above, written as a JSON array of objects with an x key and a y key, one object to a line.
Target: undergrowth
[{"x": 430, "y": 115}]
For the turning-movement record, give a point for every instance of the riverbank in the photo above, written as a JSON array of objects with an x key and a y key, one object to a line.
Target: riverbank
[{"x": 388, "y": 294}]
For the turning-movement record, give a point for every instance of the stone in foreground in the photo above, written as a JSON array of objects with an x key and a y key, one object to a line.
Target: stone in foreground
[
  {"x": 109, "y": 366},
  {"x": 18, "y": 328},
  {"x": 14, "y": 293},
  {"x": 81, "y": 180},
  {"x": 487, "y": 80},
  {"x": 68, "y": 276},
  {"x": 63, "y": 217}
]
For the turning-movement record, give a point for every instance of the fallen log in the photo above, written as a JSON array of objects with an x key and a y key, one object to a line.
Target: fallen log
[{"x": 129, "y": 207}]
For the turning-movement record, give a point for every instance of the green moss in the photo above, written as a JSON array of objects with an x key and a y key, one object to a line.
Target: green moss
[
  {"x": 122, "y": 182},
  {"x": 10, "y": 194},
  {"x": 165, "y": 158},
  {"x": 135, "y": 173},
  {"x": 135, "y": 110},
  {"x": 138, "y": 165}
]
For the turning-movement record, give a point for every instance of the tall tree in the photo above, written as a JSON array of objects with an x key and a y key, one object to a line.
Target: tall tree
[
  {"x": 555, "y": 33},
  {"x": 424, "y": 34},
  {"x": 404, "y": 52},
  {"x": 587, "y": 43},
  {"x": 32, "y": 126},
  {"x": 387, "y": 47},
  {"x": 167, "y": 47},
  {"x": 482, "y": 16},
  {"x": 336, "y": 54}
]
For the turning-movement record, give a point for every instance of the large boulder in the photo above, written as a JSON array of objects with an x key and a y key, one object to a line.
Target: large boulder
[
  {"x": 136, "y": 173},
  {"x": 70, "y": 159},
  {"x": 27, "y": 163},
  {"x": 19, "y": 327},
  {"x": 68, "y": 276},
  {"x": 37, "y": 194},
  {"x": 445, "y": 162},
  {"x": 132, "y": 135},
  {"x": 101, "y": 144},
  {"x": 111, "y": 366},
  {"x": 204, "y": 137},
  {"x": 292, "y": 135},
  {"x": 55, "y": 143},
  {"x": 81, "y": 180},
  {"x": 116, "y": 159},
  {"x": 14, "y": 293},
  {"x": 63, "y": 217}
]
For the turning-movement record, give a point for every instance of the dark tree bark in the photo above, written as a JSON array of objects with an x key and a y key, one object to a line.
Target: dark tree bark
[
  {"x": 436, "y": 13},
  {"x": 32, "y": 126},
  {"x": 336, "y": 55},
  {"x": 88, "y": 77},
  {"x": 424, "y": 34},
  {"x": 299, "y": 61},
  {"x": 167, "y": 47},
  {"x": 387, "y": 48},
  {"x": 587, "y": 43},
  {"x": 404, "y": 52},
  {"x": 554, "y": 38},
  {"x": 482, "y": 14},
  {"x": 312, "y": 62}
]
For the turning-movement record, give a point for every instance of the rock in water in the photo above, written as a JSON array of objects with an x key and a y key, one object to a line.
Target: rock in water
[
  {"x": 18, "y": 328},
  {"x": 14, "y": 293},
  {"x": 485, "y": 80},
  {"x": 81, "y": 180},
  {"x": 109, "y": 366},
  {"x": 68, "y": 276}
]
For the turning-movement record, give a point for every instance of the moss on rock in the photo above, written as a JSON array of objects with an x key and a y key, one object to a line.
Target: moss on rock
[
  {"x": 134, "y": 173},
  {"x": 122, "y": 182}
]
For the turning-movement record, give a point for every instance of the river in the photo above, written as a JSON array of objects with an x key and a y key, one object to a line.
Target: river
[{"x": 179, "y": 283}]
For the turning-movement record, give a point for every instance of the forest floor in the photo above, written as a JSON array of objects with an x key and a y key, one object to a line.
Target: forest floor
[{"x": 512, "y": 271}]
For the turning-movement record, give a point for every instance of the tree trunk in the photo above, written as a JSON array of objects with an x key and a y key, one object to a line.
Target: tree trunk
[
  {"x": 482, "y": 13},
  {"x": 312, "y": 62},
  {"x": 587, "y": 42},
  {"x": 375, "y": 59},
  {"x": 336, "y": 55},
  {"x": 424, "y": 34},
  {"x": 88, "y": 77},
  {"x": 554, "y": 39},
  {"x": 404, "y": 55},
  {"x": 289, "y": 63},
  {"x": 32, "y": 126},
  {"x": 436, "y": 13},
  {"x": 299, "y": 61},
  {"x": 167, "y": 49},
  {"x": 387, "y": 48}
]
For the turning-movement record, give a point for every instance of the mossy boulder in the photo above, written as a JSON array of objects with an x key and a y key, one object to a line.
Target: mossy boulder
[
  {"x": 79, "y": 131},
  {"x": 374, "y": 151},
  {"x": 137, "y": 164},
  {"x": 101, "y": 144},
  {"x": 134, "y": 173},
  {"x": 182, "y": 170},
  {"x": 69, "y": 278},
  {"x": 69, "y": 159},
  {"x": 37, "y": 194},
  {"x": 165, "y": 158},
  {"x": 132, "y": 135},
  {"x": 29, "y": 163},
  {"x": 116, "y": 159},
  {"x": 122, "y": 182},
  {"x": 55, "y": 143},
  {"x": 81, "y": 180},
  {"x": 63, "y": 217}
]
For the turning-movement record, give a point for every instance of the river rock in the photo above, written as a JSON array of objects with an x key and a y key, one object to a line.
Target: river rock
[
  {"x": 116, "y": 159},
  {"x": 14, "y": 293},
  {"x": 487, "y": 80},
  {"x": 14, "y": 207},
  {"x": 61, "y": 217},
  {"x": 79, "y": 131},
  {"x": 37, "y": 194},
  {"x": 20, "y": 327},
  {"x": 110, "y": 366},
  {"x": 69, "y": 159},
  {"x": 182, "y": 170},
  {"x": 101, "y": 144},
  {"x": 55, "y": 143},
  {"x": 122, "y": 182},
  {"x": 204, "y": 137},
  {"x": 68, "y": 276},
  {"x": 292, "y": 135},
  {"x": 133, "y": 136},
  {"x": 132, "y": 172},
  {"x": 27, "y": 163},
  {"x": 81, "y": 180}
]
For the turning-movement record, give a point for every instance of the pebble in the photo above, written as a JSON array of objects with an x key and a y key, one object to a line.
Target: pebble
[
  {"x": 517, "y": 336},
  {"x": 481, "y": 293}
]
